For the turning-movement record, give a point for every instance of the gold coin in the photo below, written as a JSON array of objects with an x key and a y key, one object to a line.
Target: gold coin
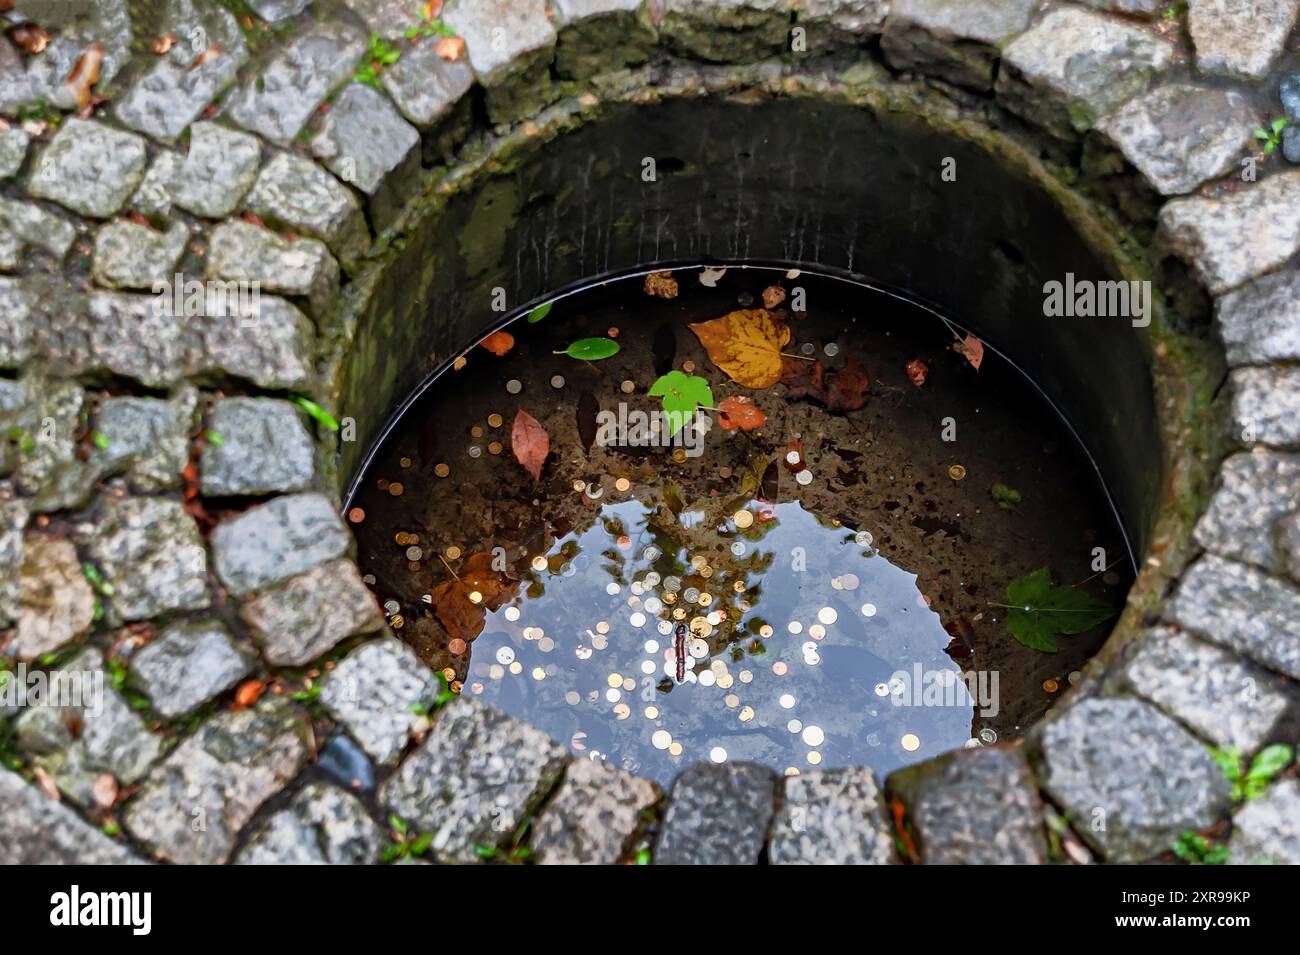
[
  {"x": 679, "y": 455},
  {"x": 743, "y": 518},
  {"x": 494, "y": 420},
  {"x": 494, "y": 447},
  {"x": 957, "y": 472},
  {"x": 622, "y": 484},
  {"x": 396, "y": 489},
  {"x": 476, "y": 431},
  {"x": 441, "y": 470},
  {"x": 453, "y": 552},
  {"x": 405, "y": 462}
]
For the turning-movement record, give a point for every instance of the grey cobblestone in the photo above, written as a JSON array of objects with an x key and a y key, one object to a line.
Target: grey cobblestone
[
  {"x": 374, "y": 692},
  {"x": 1222, "y": 697},
  {"x": 832, "y": 817},
  {"x": 1266, "y": 405},
  {"x": 242, "y": 251},
  {"x": 64, "y": 838},
  {"x": 134, "y": 256},
  {"x": 13, "y": 149},
  {"x": 694, "y": 833},
  {"x": 55, "y": 602},
  {"x": 295, "y": 194},
  {"x": 1239, "y": 37},
  {"x": 957, "y": 41},
  {"x": 15, "y": 323},
  {"x": 1243, "y": 609},
  {"x": 117, "y": 334},
  {"x": 150, "y": 551},
  {"x": 477, "y": 775},
  {"x": 89, "y": 168},
  {"x": 27, "y": 224},
  {"x": 593, "y": 816},
  {"x": 187, "y": 664},
  {"x": 1255, "y": 490},
  {"x": 285, "y": 537},
  {"x": 1267, "y": 831},
  {"x": 312, "y": 613},
  {"x": 1097, "y": 765},
  {"x": 261, "y": 447},
  {"x": 149, "y": 438},
  {"x": 219, "y": 168},
  {"x": 271, "y": 349},
  {"x": 323, "y": 825},
  {"x": 510, "y": 44},
  {"x": 1260, "y": 322}
]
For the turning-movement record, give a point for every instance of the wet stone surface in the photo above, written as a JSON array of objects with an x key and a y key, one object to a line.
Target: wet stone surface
[
  {"x": 831, "y": 817},
  {"x": 695, "y": 833},
  {"x": 593, "y": 816},
  {"x": 477, "y": 775},
  {"x": 323, "y": 825},
  {"x": 975, "y": 807},
  {"x": 77, "y": 744},
  {"x": 510, "y": 44},
  {"x": 1256, "y": 489},
  {"x": 1239, "y": 37},
  {"x": 219, "y": 168},
  {"x": 64, "y": 838},
  {"x": 378, "y": 692},
  {"x": 1242, "y": 609},
  {"x": 1096, "y": 765},
  {"x": 149, "y": 438},
  {"x": 957, "y": 41},
  {"x": 1267, "y": 831},
  {"x": 276, "y": 541},
  {"x": 256, "y": 446},
  {"x": 311, "y": 614},
  {"x": 55, "y": 604},
  {"x": 193, "y": 804},
  {"x": 1222, "y": 697},
  {"x": 131, "y": 255},
  {"x": 296, "y": 194},
  {"x": 89, "y": 167},
  {"x": 596, "y": 36},
  {"x": 1260, "y": 322},
  {"x": 150, "y": 551},
  {"x": 1266, "y": 405},
  {"x": 187, "y": 664},
  {"x": 243, "y": 251}
]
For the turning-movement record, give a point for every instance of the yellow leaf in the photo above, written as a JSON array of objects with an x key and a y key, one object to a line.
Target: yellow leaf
[{"x": 746, "y": 344}]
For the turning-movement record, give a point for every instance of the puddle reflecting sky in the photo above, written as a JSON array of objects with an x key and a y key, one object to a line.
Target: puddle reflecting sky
[{"x": 796, "y": 630}]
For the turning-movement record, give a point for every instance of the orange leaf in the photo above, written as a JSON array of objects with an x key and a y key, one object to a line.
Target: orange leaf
[
  {"x": 746, "y": 344},
  {"x": 916, "y": 371},
  {"x": 462, "y": 602},
  {"x": 972, "y": 348},
  {"x": 498, "y": 343},
  {"x": 85, "y": 74},
  {"x": 30, "y": 38},
  {"x": 773, "y": 296},
  {"x": 249, "y": 692},
  {"x": 530, "y": 443},
  {"x": 661, "y": 285},
  {"x": 739, "y": 413},
  {"x": 846, "y": 389},
  {"x": 450, "y": 48}
]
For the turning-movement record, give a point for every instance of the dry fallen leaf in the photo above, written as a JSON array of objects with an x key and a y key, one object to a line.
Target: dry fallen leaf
[
  {"x": 846, "y": 389},
  {"x": 916, "y": 371},
  {"x": 972, "y": 349},
  {"x": 773, "y": 296},
  {"x": 530, "y": 443},
  {"x": 746, "y": 344},
  {"x": 30, "y": 38},
  {"x": 462, "y": 601},
  {"x": 85, "y": 74},
  {"x": 432, "y": 9},
  {"x": 164, "y": 43},
  {"x": 249, "y": 692},
  {"x": 498, "y": 343},
  {"x": 739, "y": 413},
  {"x": 803, "y": 379},
  {"x": 661, "y": 285},
  {"x": 450, "y": 48},
  {"x": 207, "y": 56},
  {"x": 46, "y": 782},
  {"x": 710, "y": 276}
]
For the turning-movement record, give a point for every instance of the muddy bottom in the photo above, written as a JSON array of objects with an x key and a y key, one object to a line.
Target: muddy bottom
[{"x": 816, "y": 577}]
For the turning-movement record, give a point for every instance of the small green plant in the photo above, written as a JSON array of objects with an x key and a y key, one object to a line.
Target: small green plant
[
  {"x": 513, "y": 854},
  {"x": 403, "y": 843},
  {"x": 1194, "y": 849},
  {"x": 309, "y": 695},
  {"x": 379, "y": 54},
  {"x": 1271, "y": 135},
  {"x": 1007, "y": 497},
  {"x": 214, "y": 439},
  {"x": 100, "y": 440},
  {"x": 644, "y": 857},
  {"x": 1174, "y": 10},
  {"x": 429, "y": 27},
  {"x": 316, "y": 413},
  {"x": 1251, "y": 782},
  {"x": 96, "y": 579}
]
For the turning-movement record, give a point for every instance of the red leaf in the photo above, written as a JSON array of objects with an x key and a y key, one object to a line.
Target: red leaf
[
  {"x": 846, "y": 389},
  {"x": 916, "y": 371},
  {"x": 498, "y": 343},
  {"x": 972, "y": 349},
  {"x": 85, "y": 74},
  {"x": 739, "y": 413},
  {"x": 530, "y": 443}
]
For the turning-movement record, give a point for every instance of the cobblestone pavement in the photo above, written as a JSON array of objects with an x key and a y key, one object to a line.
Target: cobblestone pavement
[{"x": 169, "y": 517}]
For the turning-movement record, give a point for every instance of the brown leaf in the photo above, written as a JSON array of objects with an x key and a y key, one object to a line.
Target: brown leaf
[
  {"x": 46, "y": 782},
  {"x": 739, "y": 413},
  {"x": 846, "y": 389},
  {"x": 462, "y": 602},
  {"x": 972, "y": 349},
  {"x": 530, "y": 443},
  {"x": 85, "y": 74},
  {"x": 588, "y": 419},
  {"x": 962, "y": 645},
  {"x": 207, "y": 56},
  {"x": 164, "y": 43},
  {"x": 661, "y": 285},
  {"x": 803, "y": 379},
  {"x": 498, "y": 343},
  {"x": 917, "y": 371},
  {"x": 773, "y": 296},
  {"x": 746, "y": 344},
  {"x": 450, "y": 48},
  {"x": 30, "y": 38},
  {"x": 249, "y": 692}
]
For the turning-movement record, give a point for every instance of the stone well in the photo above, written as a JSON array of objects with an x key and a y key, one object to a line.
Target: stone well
[{"x": 967, "y": 149}]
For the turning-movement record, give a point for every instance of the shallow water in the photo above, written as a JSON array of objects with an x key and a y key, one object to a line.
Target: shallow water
[{"x": 837, "y": 608}]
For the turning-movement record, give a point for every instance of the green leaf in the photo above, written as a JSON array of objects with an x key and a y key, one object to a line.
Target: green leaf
[
  {"x": 539, "y": 313},
  {"x": 591, "y": 349},
  {"x": 1268, "y": 763},
  {"x": 1229, "y": 760},
  {"x": 484, "y": 851},
  {"x": 643, "y": 857},
  {"x": 1279, "y": 124},
  {"x": 682, "y": 395},
  {"x": 215, "y": 439},
  {"x": 397, "y": 823},
  {"x": 316, "y": 412},
  {"x": 393, "y": 852},
  {"x": 421, "y": 845},
  {"x": 1039, "y": 611},
  {"x": 100, "y": 439}
]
